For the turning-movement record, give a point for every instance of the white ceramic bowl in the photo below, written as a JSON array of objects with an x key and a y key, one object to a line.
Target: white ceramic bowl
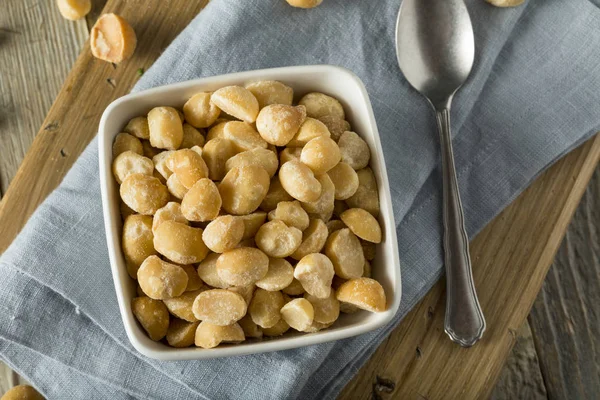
[{"x": 335, "y": 81}]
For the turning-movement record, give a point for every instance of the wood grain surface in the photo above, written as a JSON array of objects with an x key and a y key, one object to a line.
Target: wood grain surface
[{"x": 417, "y": 358}]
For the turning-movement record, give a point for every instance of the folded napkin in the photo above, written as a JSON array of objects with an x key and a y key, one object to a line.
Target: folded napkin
[{"x": 533, "y": 95}]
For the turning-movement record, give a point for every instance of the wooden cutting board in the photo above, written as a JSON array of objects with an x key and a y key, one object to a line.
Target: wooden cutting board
[{"x": 511, "y": 256}]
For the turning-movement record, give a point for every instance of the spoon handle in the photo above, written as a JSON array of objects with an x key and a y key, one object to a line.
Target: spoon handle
[{"x": 464, "y": 321}]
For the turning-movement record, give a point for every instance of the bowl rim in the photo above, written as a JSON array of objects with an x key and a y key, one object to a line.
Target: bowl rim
[{"x": 270, "y": 345}]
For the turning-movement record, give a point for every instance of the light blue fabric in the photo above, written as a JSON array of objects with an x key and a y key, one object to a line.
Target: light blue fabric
[{"x": 533, "y": 95}]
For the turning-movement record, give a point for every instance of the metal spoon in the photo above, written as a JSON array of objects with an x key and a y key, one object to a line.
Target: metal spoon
[{"x": 435, "y": 48}]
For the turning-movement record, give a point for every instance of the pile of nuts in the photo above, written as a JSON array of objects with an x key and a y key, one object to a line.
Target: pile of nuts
[{"x": 245, "y": 216}]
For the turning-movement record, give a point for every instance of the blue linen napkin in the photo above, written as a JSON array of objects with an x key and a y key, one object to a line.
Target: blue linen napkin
[{"x": 533, "y": 95}]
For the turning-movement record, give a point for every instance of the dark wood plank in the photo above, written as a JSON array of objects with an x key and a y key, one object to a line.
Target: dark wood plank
[{"x": 565, "y": 319}]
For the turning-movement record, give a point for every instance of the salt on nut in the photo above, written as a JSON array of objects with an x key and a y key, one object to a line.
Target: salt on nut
[
  {"x": 216, "y": 152},
  {"x": 170, "y": 212},
  {"x": 336, "y": 125},
  {"x": 202, "y": 202},
  {"x": 243, "y": 189},
  {"x": 181, "y": 306},
  {"x": 152, "y": 315},
  {"x": 138, "y": 127},
  {"x": 199, "y": 111},
  {"x": 144, "y": 194},
  {"x": 294, "y": 289},
  {"x": 160, "y": 279},
  {"x": 252, "y": 222},
  {"x": 304, "y": 3},
  {"x": 242, "y": 266},
  {"x": 188, "y": 165},
  {"x": 319, "y": 104},
  {"x": 299, "y": 181},
  {"x": 112, "y": 39},
  {"x": 236, "y": 101},
  {"x": 137, "y": 242},
  {"x": 310, "y": 129},
  {"x": 298, "y": 314},
  {"x": 126, "y": 142},
  {"x": 180, "y": 243},
  {"x": 292, "y": 213},
  {"x": 364, "y": 293},
  {"x": 313, "y": 239},
  {"x": 258, "y": 156},
  {"x": 219, "y": 307},
  {"x": 345, "y": 252},
  {"x": 366, "y": 196},
  {"x": 74, "y": 9},
  {"x": 275, "y": 195},
  {"x": 223, "y": 233},
  {"x": 264, "y": 308},
  {"x": 320, "y": 154},
  {"x": 279, "y": 276},
  {"x": 276, "y": 239},
  {"x": 207, "y": 271},
  {"x": 243, "y": 136},
  {"x": 324, "y": 204},
  {"x": 250, "y": 328},
  {"x": 354, "y": 150},
  {"x": 166, "y": 129},
  {"x": 176, "y": 188},
  {"x": 191, "y": 137},
  {"x": 289, "y": 154},
  {"x": 278, "y": 329},
  {"x": 209, "y": 335},
  {"x": 345, "y": 181},
  {"x": 271, "y": 92},
  {"x": 278, "y": 123},
  {"x": 315, "y": 273},
  {"x": 327, "y": 310},
  {"x": 362, "y": 224},
  {"x": 181, "y": 333},
  {"x": 128, "y": 163}
]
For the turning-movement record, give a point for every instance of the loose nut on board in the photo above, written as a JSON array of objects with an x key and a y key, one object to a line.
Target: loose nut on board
[
  {"x": 74, "y": 9},
  {"x": 112, "y": 39}
]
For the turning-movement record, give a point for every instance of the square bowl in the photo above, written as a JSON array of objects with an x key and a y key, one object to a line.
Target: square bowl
[{"x": 334, "y": 81}]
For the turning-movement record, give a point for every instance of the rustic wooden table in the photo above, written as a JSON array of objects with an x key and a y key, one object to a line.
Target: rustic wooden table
[{"x": 511, "y": 256}]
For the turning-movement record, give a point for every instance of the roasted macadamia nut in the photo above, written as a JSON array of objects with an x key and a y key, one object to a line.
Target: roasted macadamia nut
[
  {"x": 181, "y": 333},
  {"x": 128, "y": 163},
  {"x": 275, "y": 195},
  {"x": 345, "y": 181},
  {"x": 242, "y": 266},
  {"x": 298, "y": 314},
  {"x": 216, "y": 131},
  {"x": 362, "y": 224},
  {"x": 219, "y": 307},
  {"x": 278, "y": 123},
  {"x": 345, "y": 252},
  {"x": 311, "y": 128},
  {"x": 209, "y": 335},
  {"x": 369, "y": 249},
  {"x": 194, "y": 281},
  {"x": 126, "y": 142},
  {"x": 245, "y": 291},
  {"x": 276, "y": 239},
  {"x": 144, "y": 194},
  {"x": 299, "y": 181},
  {"x": 188, "y": 165},
  {"x": 224, "y": 233},
  {"x": 152, "y": 315},
  {"x": 366, "y": 196},
  {"x": 506, "y": 3},
  {"x": 160, "y": 163},
  {"x": 137, "y": 241},
  {"x": 166, "y": 129},
  {"x": 243, "y": 189},
  {"x": 319, "y": 104},
  {"x": 191, "y": 137},
  {"x": 138, "y": 127},
  {"x": 160, "y": 279},
  {"x": 207, "y": 271},
  {"x": 181, "y": 306},
  {"x": 243, "y": 136},
  {"x": 180, "y": 243},
  {"x": 327, "y": 310},
  {"x": 323, "y": 206},
  {"x": 264, "y": 308},
  {"x": 364, "y": 293},
  {"x": 176, "y": 188},
  {"x": 271, "y": 92},
  {"x": 313, "y": 239},
  {"x": 294, "y": 289},
  {"x": 279, "y": 276},
  {"x": 236, "y": 101},
  {"x": 216, "y": 152},
  {"x": 199, "y": 111},
  {"x": 335, "y": 225},
  {"x": 112, "y": 39},
  {"x": 315, "y": 273},
  {"x": 336, "y": 125},
  {"x": 250, "y": 328},
  {"x": 202, "y": 202},
  {"x": 289, "y": 154},
  {"x": 258, "y": 156},
  {"x": 278, "y": 329},
  {"x": 320, "y": 154},
  {"x": 170, "y": 212},
  {"x": 252, "y": 222},
  {"x": 354, "y": 150},
  {"x": 292, "y": 213},
  {"x": 74, "y": 9}
]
